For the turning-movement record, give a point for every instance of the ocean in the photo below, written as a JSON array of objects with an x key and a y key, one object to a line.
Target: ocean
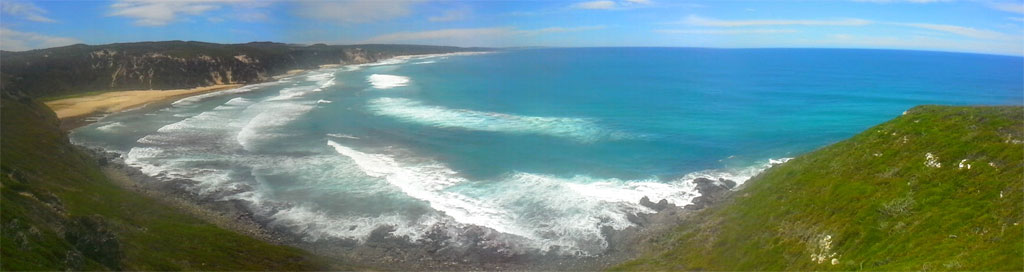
[{"x": 543, "y": 148}]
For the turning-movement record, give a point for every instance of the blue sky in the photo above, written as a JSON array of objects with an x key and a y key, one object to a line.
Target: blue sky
[{"x": 995, "y": 27}]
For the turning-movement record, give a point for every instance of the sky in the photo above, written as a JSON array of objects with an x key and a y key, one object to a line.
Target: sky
[{"x": 976, "y": 26}]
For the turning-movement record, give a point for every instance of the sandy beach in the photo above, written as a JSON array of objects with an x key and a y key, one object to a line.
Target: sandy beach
[{"x": 117, "y": 101}]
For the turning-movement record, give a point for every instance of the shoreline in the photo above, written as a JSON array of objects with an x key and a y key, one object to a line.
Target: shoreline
[
  {"x": 385, "y": 250},
  {"x": 80, "y": 111}
]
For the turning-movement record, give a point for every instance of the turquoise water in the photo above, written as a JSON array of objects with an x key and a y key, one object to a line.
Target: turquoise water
[{"x": 544, "y": 147}]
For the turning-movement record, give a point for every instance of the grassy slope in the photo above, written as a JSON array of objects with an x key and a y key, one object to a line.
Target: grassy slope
[
  {"x": 59, "y": 212},
  {"x": 887, "y": 212}
]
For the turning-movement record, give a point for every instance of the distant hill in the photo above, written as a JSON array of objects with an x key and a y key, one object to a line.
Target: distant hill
[
  {"x": 177, "y": 64},
  {"x": 940, "y": 188}
]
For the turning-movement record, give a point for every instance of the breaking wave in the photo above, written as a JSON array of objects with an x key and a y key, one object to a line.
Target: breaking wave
[
  {"x": 380, "y": 81},
  {"x": 548, "y": 211},
  {"x": 579, "y": 129}
]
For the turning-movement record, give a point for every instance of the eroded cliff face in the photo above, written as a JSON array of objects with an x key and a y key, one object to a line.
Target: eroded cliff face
[
  {"x": 127, "y": 71},
  {"x": 175, "y": 64}
]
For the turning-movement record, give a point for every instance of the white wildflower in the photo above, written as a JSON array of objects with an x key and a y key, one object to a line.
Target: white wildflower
[
  {"x": 964, "y": 164},
  {"x": 932, "y": 161}
]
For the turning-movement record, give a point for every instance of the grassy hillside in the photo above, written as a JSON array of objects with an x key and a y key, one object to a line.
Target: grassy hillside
[
  {"x": 59, "y": 212},
  {"x": 940, "y": 188}
]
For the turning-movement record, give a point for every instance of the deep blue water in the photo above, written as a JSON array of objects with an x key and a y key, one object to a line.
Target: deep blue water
[{"x": 544, "y": 146}]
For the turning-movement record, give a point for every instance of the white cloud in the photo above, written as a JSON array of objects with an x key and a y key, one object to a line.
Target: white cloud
[
  {"x": 251, "y": 16},
  {"x": 903, "y": 1},
  {"x": 163, "y": 12},
  {"x": 471, "y": 36},
  {"x": 28, "y": 11},
  {"x": 923, "y": 43},
  {"x": 461, "y": 34},
  {"x": 962, "y": 31},
  {"x": 355, "y": 11},
  {"x": 711, "y": 22},
  {"x": 952, "y": 29},
  {"x": 1009, "y": 7},
  {"x": 725, "y": 31},
  {"x": 605, "y": 4},
  {"x": 559, "y": 30},
  {"x": 451, "y": 15},
  {"x": 1018, "y": 19},
  {"x": 158, "y": 13},
  {"x": 610, "y": 5},
  {"x": 13, "y": 40}
]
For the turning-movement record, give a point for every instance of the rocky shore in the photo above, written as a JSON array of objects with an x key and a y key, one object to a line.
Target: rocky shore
[{"x": 474, "y": 248}]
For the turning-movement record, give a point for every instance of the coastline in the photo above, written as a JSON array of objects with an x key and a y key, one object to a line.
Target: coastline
[
  {"x": 78, "y": 111},
  {"x": 384, "y": 249}
]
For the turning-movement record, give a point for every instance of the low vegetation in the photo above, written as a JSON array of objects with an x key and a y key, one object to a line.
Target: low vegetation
[{"x": 940, "y": 188}]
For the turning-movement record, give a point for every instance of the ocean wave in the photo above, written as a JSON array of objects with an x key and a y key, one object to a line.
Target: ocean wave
[
  {"x": 547, "y": 211},
  {"x": 579, "y": 129},
  {"x": 188, "y": 101},
  {"x": 339, "y": 135},
  {"x": 293, "y": 92},
  {"x": 323, "y": 80},
  {"x": 427, "y": 182},
  {"x": 261, "y": 128},
  {"x": 111, "y": 127},
  {"x": 381, "y": 81}
]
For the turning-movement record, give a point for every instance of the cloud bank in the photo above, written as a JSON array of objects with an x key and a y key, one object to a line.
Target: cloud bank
[{"x": 12, "y": 40}]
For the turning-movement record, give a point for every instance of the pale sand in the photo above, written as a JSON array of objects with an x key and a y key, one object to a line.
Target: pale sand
[{"x": 110, "y": 102}]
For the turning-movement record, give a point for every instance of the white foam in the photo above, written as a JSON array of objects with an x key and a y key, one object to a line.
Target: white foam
[
  {"x": 412, "y": 111},
  {"x": 545, "y": 210},
  {"x": 381, "y": 81},
  {"x": 294, "y": 92},
  {"x": 238, "y": 101},
  {"x": 323, "y": 101},
  {"x": 260, "y": 128},
  {"x": 738, "y": 175},
  {"x": 111, "y": 127},
  {"x": 317, "y": 224},
  {"x": 323, "y": 80},
  {"x": 339, "y": 135},
  {"x": 426, "y": 182},
  {"x": 188, "y": 101}
]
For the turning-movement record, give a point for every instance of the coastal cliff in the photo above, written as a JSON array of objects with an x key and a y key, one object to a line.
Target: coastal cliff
[{"x": 177, "y": 64}]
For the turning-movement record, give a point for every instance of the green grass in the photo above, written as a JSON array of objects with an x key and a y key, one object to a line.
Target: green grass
[
  {"x": 59, "y": 212},
  {"x": 875, "y": 200}
]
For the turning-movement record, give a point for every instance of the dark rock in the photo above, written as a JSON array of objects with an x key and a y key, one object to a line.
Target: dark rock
[
  {"x": 633, "y": 218},
  {"x": 711, "y": 191},
  {"x": 660, "y": 206}
]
